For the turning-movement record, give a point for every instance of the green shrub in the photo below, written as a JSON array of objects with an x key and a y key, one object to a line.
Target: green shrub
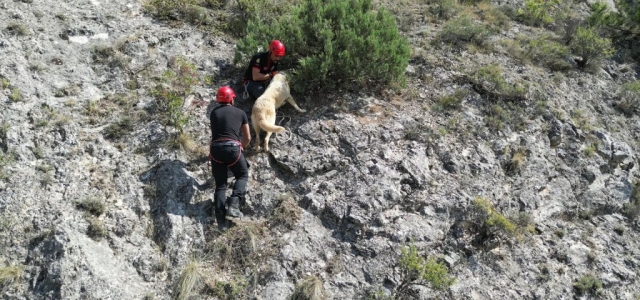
[
  {"x": 492, "y": 219},
  {"x": 444, "y": 9},
  {"x": 538, "y": 12},
  {"x": 549, "y": 52},
  {"x": 590, "y": 47},
  {"x": 415, "y": 270},
  {"x": 587, "y": 284},
  {"x": 333, "y": 44},
  {"x": 15, "y": 95},
  {"x": 488, "y": 80},
  {"x": 92, "y": 205},
  {"x": 257, "y": 11},
  {"x": 452, "y": 101},
  {"x": 630, "y": 98},
  {"x": 462, "y": 31}
]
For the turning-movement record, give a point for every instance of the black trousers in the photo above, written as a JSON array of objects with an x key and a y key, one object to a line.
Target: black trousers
[
  {"x": 228, "y": 156},
  {"x": 256, "y": 89}
]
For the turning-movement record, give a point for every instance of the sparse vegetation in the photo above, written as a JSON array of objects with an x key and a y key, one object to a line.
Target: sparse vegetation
[
  {"x": 17, "y": 29},
  {"x": 10, "y": 274},
  {"x": 453, "y": 101},
  {"x": 416, "y": 270},
  {"x": 538, "y": 12},
  {"x": 92, "y": 205},
  {"x": 515, "y": 164},
  {"x": 632, "y": 208},
  {"x": 587, "y": 284},
  {"x": 489, "y": 81},
  {"x": 189, "y": 280},
  {"x": 96, "y": 229},
  {"x": 590, "y": 149},
  {"x": 15, "y": 95},
  {"x": 176, "y": 85},
  {"x": 492, "y": 220},
  {"x": 629, "y": 98},
  {"x": 309, "y": 288},
  {"x": 462, "y": 31},
  {"x": 230, "y": 289},
  {"x": 287, "y": 213}
]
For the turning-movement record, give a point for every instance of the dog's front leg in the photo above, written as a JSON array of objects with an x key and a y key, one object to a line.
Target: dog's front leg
[{"x": 293, "y": 103}]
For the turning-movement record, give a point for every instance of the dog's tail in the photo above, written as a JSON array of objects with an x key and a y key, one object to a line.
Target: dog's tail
[{"x": 270, "y": 127}]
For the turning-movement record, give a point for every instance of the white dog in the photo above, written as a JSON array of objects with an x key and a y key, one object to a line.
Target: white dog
[{"x": 263, "y": 114}]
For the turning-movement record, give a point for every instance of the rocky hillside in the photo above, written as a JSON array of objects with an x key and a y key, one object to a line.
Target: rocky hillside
[{"x": 527, "y": 191}]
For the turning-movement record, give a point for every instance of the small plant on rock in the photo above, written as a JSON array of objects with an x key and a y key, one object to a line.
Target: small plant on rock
[
  {"x": 16, "y": 96},
  {"x": 190, "y": 278},
  {"x": 415, "y": 270},
  {"x": 92, "y": 205},
  {"x": 587, "y": 284},
  {"x": 630, "y": 98},
  {"x": 309, "y": 288},
  {"x": 10, "y": 275},
  {"x": 462, "y": 31}
]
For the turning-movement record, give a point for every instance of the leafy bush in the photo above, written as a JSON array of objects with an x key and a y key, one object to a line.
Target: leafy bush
[
  {"x": 622, "y": 26},
  {"x": 492, "y": 219},
  {"x": 416, "y": 270},
  {"x": 630, "y": 98},
  {"x": 538, "y": 12},
  {"x": 590, "y": 47},
  {"x": 462, "y": 31},
  {"x": 333, "y": 45},
  {"x": 549, "y": 52}
]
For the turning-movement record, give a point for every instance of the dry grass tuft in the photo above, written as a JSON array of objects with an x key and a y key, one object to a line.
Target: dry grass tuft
[{"x": 310, "y": 288}]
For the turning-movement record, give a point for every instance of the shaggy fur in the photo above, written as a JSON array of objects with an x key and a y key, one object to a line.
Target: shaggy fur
[{"x": 263, "y": 114}]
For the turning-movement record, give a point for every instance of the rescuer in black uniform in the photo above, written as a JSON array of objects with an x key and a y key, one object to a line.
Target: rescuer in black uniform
[{"x": 262, "y": 67}]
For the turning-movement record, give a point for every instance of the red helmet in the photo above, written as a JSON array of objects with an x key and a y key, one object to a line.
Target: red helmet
[
  {"x": 225, "y": 95},
  {"x": 276, "y": 47}
]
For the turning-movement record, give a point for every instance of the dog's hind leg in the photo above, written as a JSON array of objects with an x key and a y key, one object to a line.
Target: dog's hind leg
[
  {"x": 271, "y": 119},
  {"x": 256, "y": 128},
  {"x": 293, "y": 103}
]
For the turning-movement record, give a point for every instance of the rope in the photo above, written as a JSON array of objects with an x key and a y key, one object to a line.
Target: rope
[{"x": 289, "y": 135}]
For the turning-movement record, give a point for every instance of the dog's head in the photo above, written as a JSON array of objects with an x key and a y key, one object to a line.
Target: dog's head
[{"x": 280, "y": 77}]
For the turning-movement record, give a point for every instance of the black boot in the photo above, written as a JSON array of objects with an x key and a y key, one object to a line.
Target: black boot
[
  {"x": 233, "y": 207},
  {"x": 221, "y": 220}
]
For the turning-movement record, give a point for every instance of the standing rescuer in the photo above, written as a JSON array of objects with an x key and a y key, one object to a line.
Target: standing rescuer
[
  {"x": 262, "y": 67},
  {"x": 229, "y": 136}
]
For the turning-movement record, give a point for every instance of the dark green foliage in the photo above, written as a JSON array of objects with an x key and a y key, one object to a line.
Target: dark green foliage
[
  {"x": 591, "y": 48},
  {"x": 623, "y": 26},
  {"x": 333, "y": 45}
]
